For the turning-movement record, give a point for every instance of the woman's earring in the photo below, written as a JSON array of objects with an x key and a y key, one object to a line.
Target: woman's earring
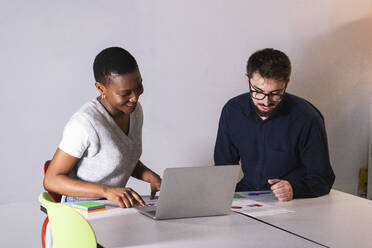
[{"x": 103, "y": 96}]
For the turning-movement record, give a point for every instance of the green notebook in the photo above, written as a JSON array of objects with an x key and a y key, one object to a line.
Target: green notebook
[
  {"x": 236, "y": 196},
  {"x": 88, "y": 205}
]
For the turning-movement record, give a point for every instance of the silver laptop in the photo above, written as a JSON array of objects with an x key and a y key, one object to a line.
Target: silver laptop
[{"x": 194, "y": 192}]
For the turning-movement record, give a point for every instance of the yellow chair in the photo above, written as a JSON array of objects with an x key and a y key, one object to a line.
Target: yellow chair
[{"x": 69, "y": 228}]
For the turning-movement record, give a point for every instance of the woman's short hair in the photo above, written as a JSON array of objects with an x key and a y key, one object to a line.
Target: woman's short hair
[{"x": 113, "y": 61}]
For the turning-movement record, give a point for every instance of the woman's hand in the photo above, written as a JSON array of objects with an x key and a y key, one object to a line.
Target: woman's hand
[
  {"x": 124, "y": 197},
  {"x": 155, "y": 185},
  {"x": 145, "y": 174}
]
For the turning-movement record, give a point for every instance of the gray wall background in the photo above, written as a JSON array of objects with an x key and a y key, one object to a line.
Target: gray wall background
[{"x": 192, "y": 57}]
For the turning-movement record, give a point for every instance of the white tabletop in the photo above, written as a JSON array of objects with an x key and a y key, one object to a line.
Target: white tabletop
[
  {"x": 118, "y": 227},
  {"x": 336, "y": 220},
  {"x": 131, "y": 229}
]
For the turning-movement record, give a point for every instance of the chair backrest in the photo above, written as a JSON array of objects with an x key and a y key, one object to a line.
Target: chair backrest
[
  {"x": 57, "y": 198},
  {"x": 69, "y": 228}
]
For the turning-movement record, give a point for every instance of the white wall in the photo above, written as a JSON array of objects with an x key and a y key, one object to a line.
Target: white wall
[{"x": 192, "y": 56}]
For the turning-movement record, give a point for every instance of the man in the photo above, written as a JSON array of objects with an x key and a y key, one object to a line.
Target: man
[{"x": 279, "y": 139}]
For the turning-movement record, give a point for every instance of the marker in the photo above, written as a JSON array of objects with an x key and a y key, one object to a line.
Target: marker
[{"x": 259, "y": 193}]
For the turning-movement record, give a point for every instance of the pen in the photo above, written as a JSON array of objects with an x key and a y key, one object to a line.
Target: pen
[{"x": 259, "y": 193}]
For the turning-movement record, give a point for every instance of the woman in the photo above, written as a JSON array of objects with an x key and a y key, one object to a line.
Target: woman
[{"x": 102, "y": 142}]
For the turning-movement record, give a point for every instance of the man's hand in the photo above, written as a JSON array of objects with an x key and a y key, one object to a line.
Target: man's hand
[
  {"x": 282, "y": 189},
  {"x": 124, "y": 197},
  {"x": 155, "y": 185}
]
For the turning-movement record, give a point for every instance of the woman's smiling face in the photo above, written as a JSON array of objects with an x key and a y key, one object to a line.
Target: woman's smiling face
[{"x": 121, "y": 92}]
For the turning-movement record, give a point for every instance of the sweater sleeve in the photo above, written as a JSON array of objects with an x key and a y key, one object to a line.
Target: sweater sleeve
[
  {"x": 225, "y": 153},
  {"x": 79, "y": 137},
  {"x": 314, "y": 155}
]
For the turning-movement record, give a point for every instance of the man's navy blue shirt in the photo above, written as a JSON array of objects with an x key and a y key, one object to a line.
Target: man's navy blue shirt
[{"x": 290, "y": 145}]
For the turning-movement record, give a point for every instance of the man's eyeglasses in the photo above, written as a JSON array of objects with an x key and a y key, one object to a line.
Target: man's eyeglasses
[{"x": 258, "y": 95}]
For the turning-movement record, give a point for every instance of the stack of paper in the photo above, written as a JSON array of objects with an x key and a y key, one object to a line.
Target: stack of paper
[{"x": 89, "y": 207}]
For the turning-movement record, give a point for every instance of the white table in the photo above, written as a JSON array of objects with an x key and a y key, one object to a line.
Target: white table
[
  {"x": 335, "y": 220},
  {"x": 117, "y": 227}
]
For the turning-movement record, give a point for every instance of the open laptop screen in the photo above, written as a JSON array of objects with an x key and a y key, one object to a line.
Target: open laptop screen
[{"x": 196, "y": 191}]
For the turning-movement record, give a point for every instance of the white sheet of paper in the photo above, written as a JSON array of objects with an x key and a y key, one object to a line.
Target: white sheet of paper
[{"x": 255, "y": 208}]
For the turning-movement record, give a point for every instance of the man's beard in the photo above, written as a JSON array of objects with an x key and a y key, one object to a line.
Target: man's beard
[{"x": 268, "y": 113}]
